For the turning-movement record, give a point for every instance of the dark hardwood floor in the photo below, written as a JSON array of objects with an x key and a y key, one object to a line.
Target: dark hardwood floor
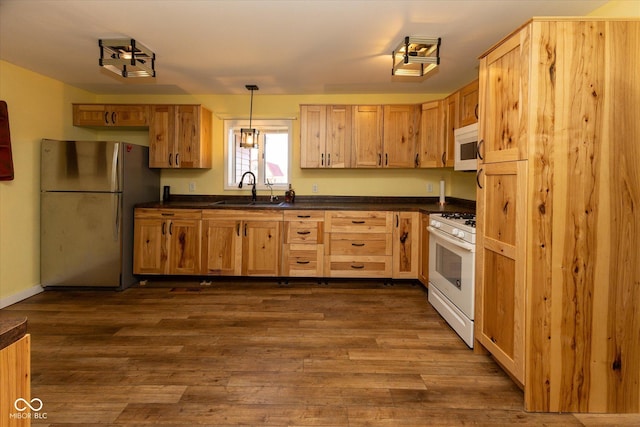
[{"x": 257, "y": 353}]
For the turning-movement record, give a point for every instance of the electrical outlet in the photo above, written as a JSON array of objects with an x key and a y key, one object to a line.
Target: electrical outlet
[
  {"x": 429, "y": 188},
  {"x": 192, "y": 187},
  {"x": 314, "y": 188}
]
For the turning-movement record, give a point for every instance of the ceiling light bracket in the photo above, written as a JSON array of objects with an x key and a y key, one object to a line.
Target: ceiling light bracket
[
  {"x": 416, "y": 56},
  {"x": 127, "y": 58}
]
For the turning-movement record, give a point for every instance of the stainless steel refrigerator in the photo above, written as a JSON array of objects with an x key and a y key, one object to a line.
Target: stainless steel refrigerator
[{"x": 87, "y": 194}]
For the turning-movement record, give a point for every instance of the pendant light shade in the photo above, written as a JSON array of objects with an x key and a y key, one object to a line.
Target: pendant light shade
[{"x": 249, "y": 137}]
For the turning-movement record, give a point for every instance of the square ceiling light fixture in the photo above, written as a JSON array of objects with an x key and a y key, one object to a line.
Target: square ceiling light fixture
[
  {"x": 127, "y": 58},
  {"x": 416, "y": 56}
]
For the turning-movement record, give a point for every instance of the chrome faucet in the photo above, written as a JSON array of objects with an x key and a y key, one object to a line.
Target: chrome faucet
[
  {"x": 254, "y": 193},
  {"x": 272, "y": 198}
]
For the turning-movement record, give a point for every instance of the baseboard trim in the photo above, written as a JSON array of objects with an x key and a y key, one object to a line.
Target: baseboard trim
[{"x": 22, "y": 295}]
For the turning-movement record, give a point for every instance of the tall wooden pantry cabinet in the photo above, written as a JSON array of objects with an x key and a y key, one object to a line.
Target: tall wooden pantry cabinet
[{"x": 558, "y": 248}]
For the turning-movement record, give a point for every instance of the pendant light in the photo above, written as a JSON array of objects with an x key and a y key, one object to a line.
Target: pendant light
[
  {"x": 416, "y": 56},
  {"x": 249, "y": 137}
]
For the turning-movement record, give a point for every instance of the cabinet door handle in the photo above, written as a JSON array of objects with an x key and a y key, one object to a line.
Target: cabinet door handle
[
  {"x": 245, "y": 230},
  {"x": 357, "y": 244},
  {"x": 357, "y": 266},
  {"x": 113, "y": 117},
  {"x": 417, "y": 162},
  {"x": 386, "y": 159},
  {"x": 397, "y": 220},
  {"x": 170, "y": 159},
  {"x": 329, "y": 159},
  {"x": 177, "y": 161},
  {"x": 304, "y": 232},
  {"x": 478, "y": 178},
  {"x": 379, "y": 159},
  {"x": 302, "y": 262},
  {"x": 238, "y": 229},
  {"x": 475, "y": 111},
  {"x": 478, "y": 153},
  {"x": 164, "y": 228},
  {"x": 171, "y": 228},
  {"x": 322, "y": 159},
  {"x": 106, "y": 117},
  {"x": 444, "y": 160},
  {"x": 357, "y": 222}
]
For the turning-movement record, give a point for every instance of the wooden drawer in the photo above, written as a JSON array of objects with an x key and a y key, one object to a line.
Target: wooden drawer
[
  {"x": 168, "y": 213},
  {"x": 360, "y": 266},
  {"x": 303, "y": 260},
  {"x": 303, "y": 215},
  {"x": 357, "y": 244},
  {"x": 304, "y": 232},
  {"x": 358, "y": 222}
]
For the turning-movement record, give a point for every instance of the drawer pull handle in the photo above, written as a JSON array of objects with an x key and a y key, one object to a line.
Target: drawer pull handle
[
  {"x": 358, "y": 266},
  {"x": 167, "y": 214},
  {"x": 304, "y": 232},
  {"x": 303, "y": 262},
  {"x": 304, "y": 216},
  {"x": 357, "y": 222},
  {"x": 357, "y": 244}
]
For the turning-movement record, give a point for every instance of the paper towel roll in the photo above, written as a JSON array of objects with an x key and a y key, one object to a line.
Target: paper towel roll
[{"x": 442, "y": 191}]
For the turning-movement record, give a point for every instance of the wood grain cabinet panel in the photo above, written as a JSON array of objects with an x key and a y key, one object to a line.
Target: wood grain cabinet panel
[
  {"x": 406, "y": 245},
  {"x": 179, "y": 136},
  {"x": 242, "y": 242},
  {"x": 325, "y": 136},
  {"x": 15, "y": 381},
  {"x": 469, "y": 104},
  {"x": 558, "y": 241},
  {"x": 401, "y": 124},
  {"x": 303, "y": 248},
  {"x": 367, "y": 140},
  {"x": 431, "y": 141},
  {"x": 116, "y": 115},
  {"x": 167, "y": 241},
  {"x": 423, "y": 266},
  {"x": 358, "y": 244}
]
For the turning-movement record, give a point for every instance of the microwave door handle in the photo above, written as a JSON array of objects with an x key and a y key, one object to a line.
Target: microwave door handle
[{"x": 458, "y": 243}]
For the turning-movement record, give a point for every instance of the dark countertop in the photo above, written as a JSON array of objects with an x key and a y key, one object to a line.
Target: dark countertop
[
  {"x": 420, "y": 204},
  {"x": 11, "y": 330}
]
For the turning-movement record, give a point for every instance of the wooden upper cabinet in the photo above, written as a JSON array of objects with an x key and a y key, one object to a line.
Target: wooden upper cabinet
[
  {"x": 451, "y": 123},
  {"x": 117, "y": 115},
  {"x": 469, "y": 104},
  {"x": 179, "y": 136},
  {"x": 367, "y": 136},
  {"x": 325, "y": 136},
  {"x": 505, "y": 98},
  {"x": 431, "y": 138},
  {"x": 400, "y": 127},
  {"x": 313, "y": 135}
]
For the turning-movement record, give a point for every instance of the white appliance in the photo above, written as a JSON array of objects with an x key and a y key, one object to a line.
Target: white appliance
[
  {"x": 452, "y": 248},
  {"x": 88, "y": 191},
  {"x": 466, "y": 148}
]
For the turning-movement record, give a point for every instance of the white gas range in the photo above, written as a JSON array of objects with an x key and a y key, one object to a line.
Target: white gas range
[{"x": 452, "y": 270}]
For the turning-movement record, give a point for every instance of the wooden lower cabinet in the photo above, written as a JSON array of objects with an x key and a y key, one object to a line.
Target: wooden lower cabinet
[
  {"x": 406, "y": 245},
  {"x": 15, "y": 382},
  {"x": 423, "y": 259},
  {"x": 241, "y": 243},
  {"x": 358, "y": 244},
  {"x": 167, "y": 241},
  {"x": 500, "y": 264},
  {"x": 303, "y": 248}
]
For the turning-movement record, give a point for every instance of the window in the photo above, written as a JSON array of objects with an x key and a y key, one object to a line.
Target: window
[{"x": 269, "y": 162}]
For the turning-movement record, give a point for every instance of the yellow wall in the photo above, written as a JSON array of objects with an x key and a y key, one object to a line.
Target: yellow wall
[
  {"x": 618, "y": 8},
  {"x": 38, "y": 107}
]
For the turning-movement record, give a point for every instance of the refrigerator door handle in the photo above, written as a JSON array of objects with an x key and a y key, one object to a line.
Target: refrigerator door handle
[
  {"x": 115, "y": 175},
  {"x": 116, "y": 216}
]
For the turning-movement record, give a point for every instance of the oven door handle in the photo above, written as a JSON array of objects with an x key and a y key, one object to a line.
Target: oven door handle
[{"x": 459, "y": 243}]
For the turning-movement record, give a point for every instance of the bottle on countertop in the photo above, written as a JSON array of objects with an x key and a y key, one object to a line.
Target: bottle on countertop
[{"x": 290, "y": 195}]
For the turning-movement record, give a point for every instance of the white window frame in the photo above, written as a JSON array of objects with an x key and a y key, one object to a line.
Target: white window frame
[{"x": 229, "y": 125}]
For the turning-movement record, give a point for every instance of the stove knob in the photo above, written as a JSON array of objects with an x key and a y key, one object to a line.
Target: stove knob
[
  {"x": 435, "y": 224},
  {"x": 460, "y": 234}
]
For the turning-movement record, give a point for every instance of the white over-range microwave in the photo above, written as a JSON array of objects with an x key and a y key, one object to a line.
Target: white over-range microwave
[{"x": 466, "y": 144}]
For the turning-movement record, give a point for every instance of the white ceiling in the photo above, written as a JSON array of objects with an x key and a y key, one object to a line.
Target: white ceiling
[{"x": 284, "y": 47}]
